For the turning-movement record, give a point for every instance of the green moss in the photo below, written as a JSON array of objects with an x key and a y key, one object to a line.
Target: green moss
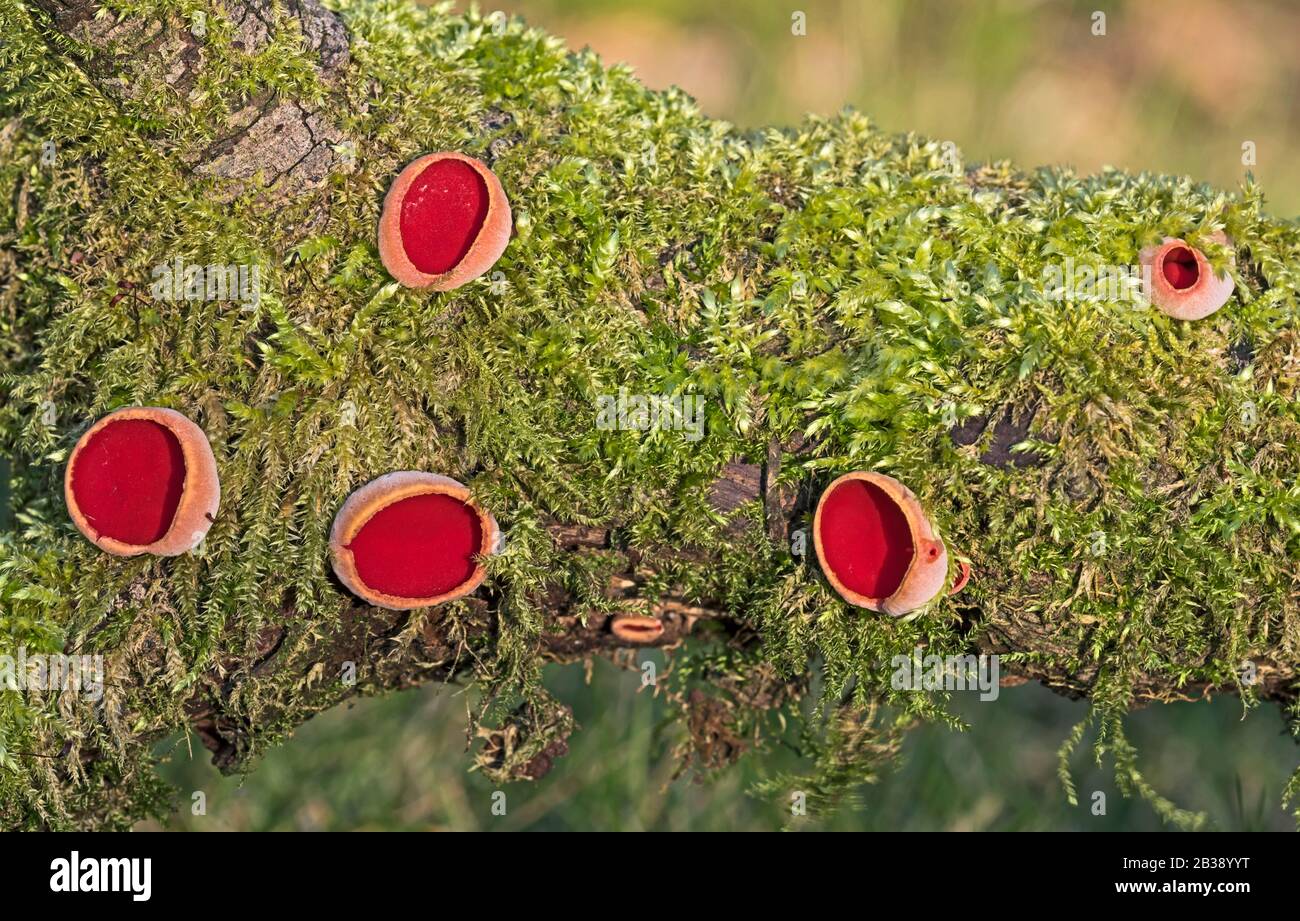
[{"x": 832, "y": 281}]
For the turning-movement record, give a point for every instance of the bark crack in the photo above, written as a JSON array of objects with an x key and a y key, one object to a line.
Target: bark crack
[{"x": 292, "y": 145}]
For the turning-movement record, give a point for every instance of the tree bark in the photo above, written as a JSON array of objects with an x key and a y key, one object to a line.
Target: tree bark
[{"x": 287, "y": 148}]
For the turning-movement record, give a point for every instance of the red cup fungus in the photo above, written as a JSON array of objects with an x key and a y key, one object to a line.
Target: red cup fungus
[
  {"x": 1180, "y": 281},
  {"x": 445, "y": 222},
  {"x": 963, "y": 577},
  {"x": 409, "y": 539},
  {"x": 637, "y": 629},
  {"x": 875, "y": 545},
  {"x": 143, "y": 480}
]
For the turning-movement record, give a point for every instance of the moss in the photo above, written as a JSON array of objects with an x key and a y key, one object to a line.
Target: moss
[{"x": 833, "y": 283}]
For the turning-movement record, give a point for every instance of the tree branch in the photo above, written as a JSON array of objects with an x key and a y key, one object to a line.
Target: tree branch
[{"x": 285, "y": 140}]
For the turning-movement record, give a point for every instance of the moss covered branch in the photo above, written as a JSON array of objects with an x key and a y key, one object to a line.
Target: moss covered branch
[{"x": 1123, "y": 484}]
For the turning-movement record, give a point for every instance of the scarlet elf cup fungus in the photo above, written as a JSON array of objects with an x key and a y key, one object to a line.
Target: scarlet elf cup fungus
[
  {"x": 143, "y": 480},
  {"x": 409, "y": 539},
  {"x": 445, "y": 222},
  {"x": 636, "y": 628},
  {"x": 875, "y": 545},
  {"x": 1181, "y": 282}
]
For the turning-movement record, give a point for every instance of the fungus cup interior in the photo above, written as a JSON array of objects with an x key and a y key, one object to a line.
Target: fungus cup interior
[
  {"x": 128, "y": 479},
  {"x": 418, "y": 547},
  {"x": 442, "y": 213},
  {"x": 866, "y": 539},
  {"x": 1180, "y": 268}
]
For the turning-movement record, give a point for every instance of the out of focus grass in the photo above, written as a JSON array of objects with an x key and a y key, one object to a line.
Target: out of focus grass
[
  {"x": 1172, "y": 87},
  {"x": 399, "y": 763}
]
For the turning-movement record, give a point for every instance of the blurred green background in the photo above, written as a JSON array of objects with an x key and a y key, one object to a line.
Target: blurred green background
[
  {"x": 1173, "y": 87},
  {"x": 400, "y": 763}
]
